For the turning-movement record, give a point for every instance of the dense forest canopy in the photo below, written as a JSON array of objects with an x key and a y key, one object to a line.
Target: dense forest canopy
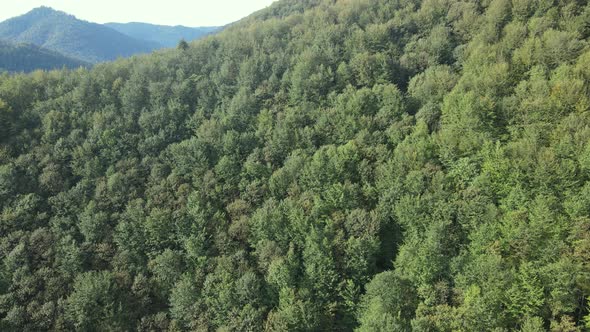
[{"x": 369, "y": 165}]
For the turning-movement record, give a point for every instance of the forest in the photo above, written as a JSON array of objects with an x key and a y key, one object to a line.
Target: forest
[
  {"x": 321, "y": 165},
  {"x": 21, "y": 57}
]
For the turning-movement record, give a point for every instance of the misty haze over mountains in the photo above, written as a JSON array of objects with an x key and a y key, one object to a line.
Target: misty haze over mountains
[
  {"x": 164, "y": 35},
  {"x": 45, "y": 38}
]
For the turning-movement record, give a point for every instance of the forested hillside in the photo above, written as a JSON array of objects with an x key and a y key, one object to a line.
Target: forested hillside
[
  {"x": 323, "y": 165},
  {"x": 63, "y": 33},
  {"x": 27, "y": 58}
]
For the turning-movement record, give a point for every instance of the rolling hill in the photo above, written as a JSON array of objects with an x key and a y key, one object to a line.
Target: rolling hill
[
  {"x": 167, "y": 36},
  {"x": 75, "y": 38},
  {"x": 27, "y": 57}
]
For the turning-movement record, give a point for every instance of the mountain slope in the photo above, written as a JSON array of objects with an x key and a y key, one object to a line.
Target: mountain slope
[
  {"x": 167, "y": 36},
  {"x": 64, "y": 33},
  {"x": 27, "y": 57},
  {"x": 323, "y": 165}
]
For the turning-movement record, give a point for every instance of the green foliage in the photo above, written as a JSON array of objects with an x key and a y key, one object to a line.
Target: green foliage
[
  {"x": 388, "y": 305},
  {"x": 6, "y": 122},
  {"x": 321, "y": 165},
  {"x": 93, "y": 304},
  {"x": 182, "y": 45},
  {"x": 21, "y": 57}
]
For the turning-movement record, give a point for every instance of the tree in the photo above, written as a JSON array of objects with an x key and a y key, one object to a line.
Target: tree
[
  {"x": 182, "y": 45},
  {"x": 93, "y": 305},
  {"x": 388, "y": 305},
  {"x": 6, "y": 121}
]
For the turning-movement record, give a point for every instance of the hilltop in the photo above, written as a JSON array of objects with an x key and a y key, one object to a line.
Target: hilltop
[{"x": 63, "y": 33}]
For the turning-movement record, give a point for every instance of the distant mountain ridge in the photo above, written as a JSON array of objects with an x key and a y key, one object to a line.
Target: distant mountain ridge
[
  {"x": 45, "y": 38},
  {"x": 64, "y": 33},
  {"x": 23, "y": 57},
  {"x": 167, "y": 36}
]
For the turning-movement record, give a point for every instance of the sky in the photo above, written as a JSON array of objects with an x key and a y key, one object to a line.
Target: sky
[{"x": 191, "y": 13}]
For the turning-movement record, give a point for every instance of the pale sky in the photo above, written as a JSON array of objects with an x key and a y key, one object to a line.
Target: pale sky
[{"x": 191, "y": 13}]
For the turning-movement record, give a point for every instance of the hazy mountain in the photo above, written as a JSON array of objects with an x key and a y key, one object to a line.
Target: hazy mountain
[
  {"x": 28, "y": 57},
  {"x": 58, "y": 31},
  {"x": 167, "y": 36}
]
